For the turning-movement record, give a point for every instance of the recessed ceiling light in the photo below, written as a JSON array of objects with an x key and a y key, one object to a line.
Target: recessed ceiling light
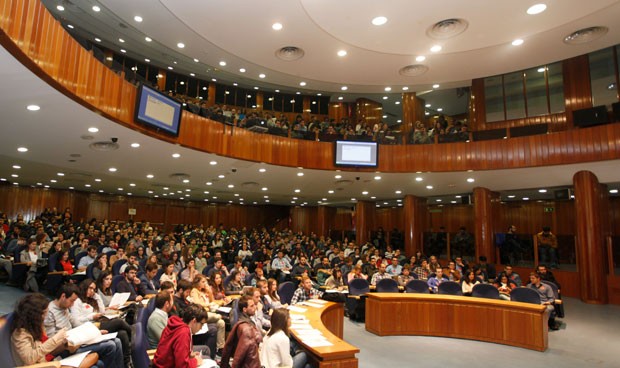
[
  {"x": 397, "y": 102},
  {"x": 60, "y": 8},
  {"x": 185, "y": 181},
  {"x": 148, "y": 39},
  {"x": 511, "y": 196},
  {"x": 338, "y": 176},
  {"x": 264, "y": 189},
  {"x": 192, "y": 74},
  {"x": 440, "y": 109},
  {"x": 262, "y": 169},
  {"x": 14, "y": 176},
  {"x": 420, "y": 58},
  {"x": 385, "y": 97},
  {"x": 276, "y": 26},
  {"x": 297, "y": 190},
  {"x": 300, "y": 174},
  {"x": 123, "y": 51},
  {"x": 70, "y": 26},
  {"x": 112, "y": 169},
  {"x": 176, "y": 155},
  {"x": 303, "y": 84},
  {"x": 344, "y": 88},
  {"x": 384, "y": 116},
  {"x": 377, "y": 177},
  {"x": 147, "y": 60},
  {"x": 398, "y": 192},
  {"x": 222, "y": 63},
  {"x": 427, "y": 105},
  {"x": 255, "y": 87},
  {"x": 340, "y": 98},
  {"x": 319, "y": 94},
  {"x": 379, "y": 21},
  {"x": 526, "y": 198},
  {"x": 97, "y": 39},
  {"x": 132, "y": 184},
  {"x": 536, "y": 9},
  {"x": 435, "y": 86},
  {"x": 542, "y": 190},
  {"x": 33, "y": 107},
  {"x": 388, "y": 89},
  {"x": 399, "y": 121},
  {"x": 429, "y": 187},
  {"x": 353, "y": 199},
  {"x": 231, "y": 185},
  {"x": 364, "y": 193},
  {"x": 22, "y": 149},
  {"x": 60, "y": 174},
  {"x": 419, "y": 179},
  {"x": 342, "y": 53},
  {"x": 96, "y": 8},
  {"x": 262, "y": 76},
  {"x": 138, "y": 18},
  {"x": 98, "y": 180},
  {"x": 221, "y": 176},
  {"x": 613, "y": 191},
  {"x": 93, "y": 130},
  {"x": 242, "y": 70},
  {"x": 436, "y": 48},
  {"x": 330, "y": 191},
  {"x": 427, "y": 113},
  {"x": 541, "y": 70},
  {"x": 121, "y": 40},
  {"x": 150, "y": 176},
  {"x": 470, "y": 180},
  {"x": 170, "y": 68},
  {"x": 17, "y": 167},
  {"x": 517, "y": 42},
  {"x": 180, "y": 45}
]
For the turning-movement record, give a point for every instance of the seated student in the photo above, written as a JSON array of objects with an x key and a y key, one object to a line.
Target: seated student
[
  {"x": 469, "y": 281},
  {"x": 405, "y": 276},
  {"x": 132, "y": 260},
  {"x": 547, "y": 297},
  {"x": 29, "y": 343},
  {"x": 101, "y": 264},
  {"x": 323, "y": 270},
  {"x": 164, "y": 302},
  {"x": 169, "y": 274},
  {"x": 64, "y": 264},
  {"x": 88, "y": 307},
  {"x": 235, "y": 285},
  {"x": 512, "y": 275},
  {"x": 147, "y": 280},
  {"x": 259, "y": 318},
  {"x": 394, "y": 269},
  {"x": 32, "y": 256},
  {"x": 244, "y": 339},
  {"x": 200, "y": 295},
  {"x": 434, "y": 281},
  {"x": 216, "y": 284},
  {"x": 422, "y": 270},
  {"x": 104, "y": 289},
  {"x": 301, "y": 268},
  {"x": 259, "y": 275},
  {"x": 335, "y": 282},
  {"x": 356, "y": 273},
  {"x": 175, "y": 346},
  {"x": 380, "y": 275},
  {"x": 305, "y": 291},
  {"x": 88, "y": 258},
  {"x": 272, "y": 298},
  {"x": 276, "y": 348},
  {"x": 190, "y": 272},
  {"x": 58, "y": 318},
  {"x": 504, "y": 285},
  {"x": 130, "y": 284},
  {"x": 218, "y": 267}
]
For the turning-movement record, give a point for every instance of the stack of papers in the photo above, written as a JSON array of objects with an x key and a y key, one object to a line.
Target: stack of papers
[
  {"x": 309, "y": 335},
  {"x": 87, "y": 334},
  {"x": 119, "y": 299},
  {"x": 74, "y": 360},
  {"x": 296, "y": 309},
  {"x": 312, "y": 303}
]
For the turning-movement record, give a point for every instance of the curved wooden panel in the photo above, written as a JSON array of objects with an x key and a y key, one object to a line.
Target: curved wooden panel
[
  {"x": 504, "y": 322},
  {"x": 33, "y": 36}
]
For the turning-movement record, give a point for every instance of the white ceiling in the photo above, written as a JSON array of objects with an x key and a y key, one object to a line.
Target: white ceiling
[{"x": 56, "y": 132}]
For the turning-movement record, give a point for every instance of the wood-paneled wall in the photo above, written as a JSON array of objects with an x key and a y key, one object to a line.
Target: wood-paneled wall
[{"x": 370, "y": 112}]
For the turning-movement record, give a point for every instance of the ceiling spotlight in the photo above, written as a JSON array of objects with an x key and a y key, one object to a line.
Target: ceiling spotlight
[
  {"x": 132, "y": 184},
  {"x": 427, "y": 105},
  {"x": 297, "y": 190},
  {"x": 300, "y": 174},
  {"x": 435, "y": 86},
  {"x": 517, "y": 42},
  {"x": 150, "y": 176},
  {"x": 221, "y": 176},
  {"x": 429, "y": 187},
  {"x": 212, "y": 162},
  {"x": 262, "y": 76},
  {"x": 397, "y": 102},
  {"x": 420, "y": 58},
  {"x": 242, "y": 70},
  {"x": 379, "y": 21},
  {"x": 222, "y": 63},
  {"x": 192, "y": 74},
  {"x": 613, "y": 191},
  {"x": 112, "y": 169},
  {"x": 542, "y": 190},
  {"x": 22, "y": 149},
  {"x": 137, "y": 18},
  {"x": 96, "y": 8},
  {"x": 388, "y": 89},
  {"x": 536, "y": 9},
  {"x": 338, "y": 176},
  {"x": 330, "y": 191},
  {"x": 123, "y": 51},
  {"x": 440, "y": 109},
  {"x": 262, "y": 169},
  {"x": 231, "y": 186},
  {"x": 340, "y": 98},
  {"x": 436, "y": 48},
  {"x": 344, "y": 88},
  {"x": 33, "y": 107},
  {"x": 60, "y": 174},
  {"x": 147, "y": 60},
  {"x": 364, "y": 193},
  {"x": 97, "y": 39},
  {"x": 176, "y": 155},
  {"x": 276, "y": 26},
  {"x": 398, "y": 192},
  {"x": 170, "y": 68},
  {"x": 303, "y": 84},
  {"x": 93, "y": 130},
  {"x": 385, "y": 97},
  {"x": 121, "y": 40},
  {"x": 148, "y": 39},
  {"x": 60, "y": 8},
  {"x": 419, "y": 179},
  {"x": 17, "y": 167},
  {"x": 70, "y": 26},
  {"x": 470, "y": 180},
  {"x": 526, "y": 198},
  {"x": 180, "y": 45},
  {"x": 98, "y": 180},
  {"x": 511, "y": 196},
  {"x": 342, "y": 53},
  {"x": 377, "y": 177}
]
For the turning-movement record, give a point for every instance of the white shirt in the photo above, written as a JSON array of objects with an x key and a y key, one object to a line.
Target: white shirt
[{"x": 275, "y": 351}]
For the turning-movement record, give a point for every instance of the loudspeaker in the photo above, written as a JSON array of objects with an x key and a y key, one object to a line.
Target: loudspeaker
[
  {"x": 588, "y": 117},
  {"x": 562, "y": 194},
  {"x": 616, "y": 108}
]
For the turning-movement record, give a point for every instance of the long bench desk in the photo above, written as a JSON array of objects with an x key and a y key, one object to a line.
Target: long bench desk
[
  {"x": 330, "y": 321},
  {"x": 504, "y": 322}
]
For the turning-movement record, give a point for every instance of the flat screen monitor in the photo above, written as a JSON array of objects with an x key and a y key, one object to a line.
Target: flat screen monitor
[
  {"x": 157, "y": 110},
  {"x": 349, "y": 153},
  {"x": 593, "y": 116},
  {"x": 616, "y": 108}
]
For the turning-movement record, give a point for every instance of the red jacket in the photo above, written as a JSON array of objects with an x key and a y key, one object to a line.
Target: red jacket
[{"x": 175, "y": 346}]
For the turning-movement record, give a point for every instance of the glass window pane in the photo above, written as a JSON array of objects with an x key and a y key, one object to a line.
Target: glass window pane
[
  {"x": 603, "y": 77},
  {"x": 556, "y": 87},
  {"x": 536, "y": 89},
  {"x": 515, "y": 101},
  {"x": 494, "y": 98}
]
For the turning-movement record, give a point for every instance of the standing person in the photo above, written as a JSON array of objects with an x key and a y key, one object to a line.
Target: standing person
[
  {"x": 547, "y": 247},
  {"x": 175, "y": 346},
  {"x": 244, "y": 339},
  {"x": 276, "y": 348}
]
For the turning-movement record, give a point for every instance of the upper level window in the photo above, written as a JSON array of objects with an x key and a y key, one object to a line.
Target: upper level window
[{"x": 604, "y": 76}]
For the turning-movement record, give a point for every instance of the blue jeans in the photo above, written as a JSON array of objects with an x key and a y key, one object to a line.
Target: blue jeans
[{"x": 110, "y": 352}]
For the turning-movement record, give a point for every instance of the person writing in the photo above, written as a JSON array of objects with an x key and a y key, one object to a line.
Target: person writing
[{"x": 276, "y": 348}]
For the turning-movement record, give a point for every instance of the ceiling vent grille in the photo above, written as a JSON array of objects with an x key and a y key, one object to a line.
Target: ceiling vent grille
[
  {"x": 413, "y": 70},
  {"x": 447, "y": 28},
  {"x": 104, "y": 146},
  {"x": 585, "y": 35},
  {"x": 290, "y": 53}
]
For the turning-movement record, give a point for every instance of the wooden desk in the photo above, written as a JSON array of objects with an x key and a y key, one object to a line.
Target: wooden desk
[
  {"x": 330, "y": 321},
  {"x": 504, "y": 322}
]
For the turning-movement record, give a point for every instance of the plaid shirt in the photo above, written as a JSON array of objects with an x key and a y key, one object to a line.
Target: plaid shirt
[
  {"x": 378, "y": 276},
  {"x": 301, "y": 295},
  {"x": 422, "y": 273}
]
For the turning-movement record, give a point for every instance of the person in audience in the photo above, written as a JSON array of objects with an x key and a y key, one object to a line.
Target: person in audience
[
  {"x": 301, "y": 268},
  {"x": 323, "y": 270},
  {"x": 235, "y": 286},
  {"x": 164, "y": 302},
  {"x": 120, "y": 255},
  {"x": 272, "y": 297},
  {"x": 58, "y": 318},
  {"x": 405, "y": 276},
  {"x": 33, "y": 257},
  {"x": 100, "y": 265},
  {"x": 147, "y": 280},
  {"x": 259, "y": 318},
  {"x": 452, "y": 273},
  {"x": 547, "y": 297},
  {"x": 182, "y": 297},
  {"x": 469, "y": 281},
  {"x": 394, "y": 269},
  {"x": 276, "y": 348},
  {"x": 422, "y": 270},
  {"x": 218, "y": 267},
  {"x": 485, "y": 270},
  {"x": 88, "y": 307},
  {"x": 281, "y": 266},
  {"x": 433, "y": 264},
  {"x": 259, "y": 275},
  {"x": 547, "y": 275},
  {"x": 168, "y": 274},
  {"x": 64, "y": 264},
  {"x": 460, "y": 265},
  {"x": 504, "y": 285},
  {"x": 200, "y": 294},
  {"x": 175, "y": 346},
  {"x": 200, "y": 261},
  {"x": 380, "y": 275},
  {"x": 29, "y": 342},
  {"x": 513, "y": 276},
  {"x": 190, "y": 272},
  {"x": 356, "y": 273},
  {"x": 335, "y": 281},
  {"x": 89, "y": 258},
  {"x": 217, "y": 287},
  {"x": 104, "y": 289},
  {"x": 434, "y": 281},
  {"x": 132, "y": 260},
  {"x": 548, "y": 247},
  {"x": 244, "y": 339},
  {"x": 130, "y": 284},
  {"x": 305, "y": 291},
  {"x": 152, "y": 259}
]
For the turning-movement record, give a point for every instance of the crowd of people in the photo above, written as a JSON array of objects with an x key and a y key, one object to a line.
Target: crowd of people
[{"x": 191, "y": 272}]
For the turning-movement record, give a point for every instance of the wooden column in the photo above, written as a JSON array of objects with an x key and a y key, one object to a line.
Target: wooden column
[
  {"x": 485, "y": 209},
  {"x": 364, "y": 220},
  {"x": 211, "y": 94},
  {"x": 590, "y": 241},
  {"x": 161, "y": 81},
  {"x": 413, "y": 110},
  {"x": 577, "y": 88},
  {"x": 325, "y": 219},
  {"x": 259, "y": 101},
  {"x": 415, "y": 212}
]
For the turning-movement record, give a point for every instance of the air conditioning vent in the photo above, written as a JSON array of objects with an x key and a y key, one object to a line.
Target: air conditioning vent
[
  {"x": 447, "y": 28},
  {"x": 104, "y": 146},
  {"x": 290, "y": 53},
  {"x": 585, "y": 35},
  {"x": 413, "y": 70}
]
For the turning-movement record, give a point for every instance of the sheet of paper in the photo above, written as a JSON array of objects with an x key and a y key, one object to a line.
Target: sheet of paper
[
  {"x": 319, "y": 301},
  {"x": 203, "y": 330},
  {"x": 83, "y": 334},
  {"x": 311, "y": 304},
  {"x": 105, "y": 337},
  {"x": 317, "y": 343},
  {"x": 298, "y": 317},
  {"x": 208, "y": 363},
  {"x": 293, "y": 308},
  {"x": 74, "y": 360},
  {"x": 224, "y": 309},
  {"x": 298, "y": 327},
  {"x": 119, "y": 299},
  {"x": 335, "y": 291}
]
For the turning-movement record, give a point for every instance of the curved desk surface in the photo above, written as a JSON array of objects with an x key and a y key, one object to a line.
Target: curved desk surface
[
  {"x": 328, "y": 319},
  {"x": 504, "y": 322}
]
